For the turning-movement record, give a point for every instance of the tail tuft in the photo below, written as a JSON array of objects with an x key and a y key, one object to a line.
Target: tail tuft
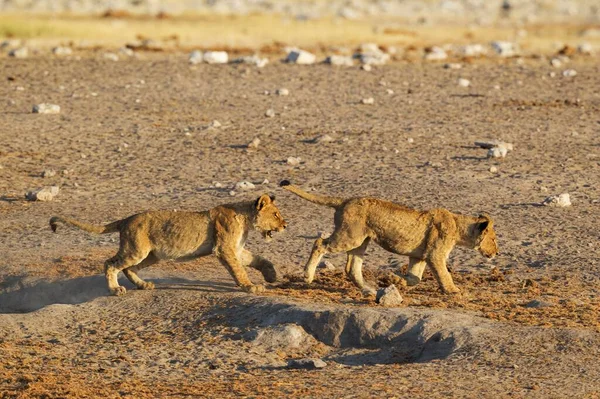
[{"x": 284, "y": 183}]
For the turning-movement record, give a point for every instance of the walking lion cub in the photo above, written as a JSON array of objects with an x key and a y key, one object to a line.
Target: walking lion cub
[
  {"x": 426, "y": 237},
  {"x": 148, "y": 237}
]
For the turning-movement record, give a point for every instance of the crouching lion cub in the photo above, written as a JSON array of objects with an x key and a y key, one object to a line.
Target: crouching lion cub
[
  {"x": 148, "y": 237},
  {"x": 426, "y": 237}
]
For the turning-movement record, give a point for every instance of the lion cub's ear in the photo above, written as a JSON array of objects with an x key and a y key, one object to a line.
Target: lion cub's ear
[{"x": 263, "y": 201}]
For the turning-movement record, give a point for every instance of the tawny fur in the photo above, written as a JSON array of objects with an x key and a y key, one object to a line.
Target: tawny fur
[
  {"x": 148, "y": 237},
  {"x": 426, "y": 237}
]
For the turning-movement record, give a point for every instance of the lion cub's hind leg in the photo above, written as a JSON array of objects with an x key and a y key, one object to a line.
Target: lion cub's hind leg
[
  {"x": 266, "y": 267},
  {"x": 130, "y": 254},
  {"x": 132, "y": 276}
]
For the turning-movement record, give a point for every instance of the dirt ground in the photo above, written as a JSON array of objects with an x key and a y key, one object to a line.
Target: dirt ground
[{"x": 135, "y": 135}]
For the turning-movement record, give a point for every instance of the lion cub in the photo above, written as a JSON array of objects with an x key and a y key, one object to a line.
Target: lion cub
[
  {"x": 426, "y": 237},
  {"x": 148, "y": 237}
]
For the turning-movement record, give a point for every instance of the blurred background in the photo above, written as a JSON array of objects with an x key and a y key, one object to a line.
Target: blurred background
[{"x": 268, "y": 25}]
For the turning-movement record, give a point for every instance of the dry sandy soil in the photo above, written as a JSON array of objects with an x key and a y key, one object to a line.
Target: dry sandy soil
[{"x": 132, "y": 135}]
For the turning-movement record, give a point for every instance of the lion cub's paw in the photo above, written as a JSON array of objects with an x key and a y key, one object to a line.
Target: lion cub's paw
[
  {"x": 254, "y": 289},
  {"x": 451, "y": 290},
  {"x": 147, "y": 285},
  {"x": 368, "y": 291},
  {"x": 119, "y": 291}
]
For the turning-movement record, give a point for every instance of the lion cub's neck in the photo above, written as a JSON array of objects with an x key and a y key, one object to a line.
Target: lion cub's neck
[
  {"x": 466, "y": 226},
  {"x": 245, "y": 212}
]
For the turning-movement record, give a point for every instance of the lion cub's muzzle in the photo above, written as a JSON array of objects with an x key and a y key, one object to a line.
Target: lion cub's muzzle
[{"x": 268, "y": 234}]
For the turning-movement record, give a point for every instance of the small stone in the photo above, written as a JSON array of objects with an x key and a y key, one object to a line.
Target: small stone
[
  {"x": 196, "y": 57},
  {"x": 282, "y": 92},
  {"x": 126, "y": 51},
  {"x": 217, "y": 184},
  {"x": 214, "y": 124},
  {"x": 368, "y": 101},
  {"x": 306, "y": 364},
  {"x": 265, "y": 182},
  {"x": 252, "y": 60},
  {"x": 216, "y": 57},
  {"x": 232, "y": 193},
  {"x": 21, "y": 52},
  {"x": 389, "y": 296},
  {"x": 452, "y": 65},
  {"x": 552, "y": 74},
  {"x": 254, "y": 143},
  {"x": 46, "y": 108},
  {"x": 505, "y": 49},
  {"x": 371, "y": 54},
  {"x": 339, "y": 60},
  {"x": 366, "y": 67},
  {"x": 493, "y": 169},
  {"x": 48, "y": 173},
  {"x": 410, "y": 140},
  {"x": 473, "y": 50},
  {"x": 293, "y": 161},
  {"x": 562, "y": 200},
  {"x": 569, "y": 73},
  {"x": 464, "y": 82},
  {"x": 111, "y": 56},
  {"x": 433, "y": 164},
  {"x": 435, "y": 54},
  {"x": 60, "y": 51},
  {"x": 43, "y": 194},
  {"x": 585, "y": 48},
  {"x": 389, "y": 91},
  {"x": 556, "y": 63},
  {"x": 327, "y": 265},
  {"x": 497, "y": 152},
  {"x": 494, "y": 143},
  {"x": 323, "y": 139},
  {"x": 536, "y": 303},
  {"x": 301, "y": 57},
  {"x": 270, "y": 113},
  {"x": 244, "y": 186}
]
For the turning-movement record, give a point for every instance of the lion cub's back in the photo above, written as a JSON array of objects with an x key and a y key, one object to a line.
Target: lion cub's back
[{"x": 174, "y": 234}]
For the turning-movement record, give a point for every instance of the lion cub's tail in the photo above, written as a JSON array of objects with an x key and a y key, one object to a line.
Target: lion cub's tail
[
  {"x": 92, "y": 228},
  {"x": 333, "y": 202}
]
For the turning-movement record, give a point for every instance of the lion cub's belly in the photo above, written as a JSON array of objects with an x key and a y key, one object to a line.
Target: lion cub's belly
[{"x": 183, "y": 235}]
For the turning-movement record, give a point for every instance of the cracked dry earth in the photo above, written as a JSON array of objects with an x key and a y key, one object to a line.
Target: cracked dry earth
[{"x": 133, "y": 135}]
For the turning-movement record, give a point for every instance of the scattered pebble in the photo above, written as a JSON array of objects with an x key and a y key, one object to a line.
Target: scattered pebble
[
  {"x": 340, "y": 60},
  {"x": 366, "y": 67},
  {"x": 214, "y": 124},
  {"x": 325, "y": 138},
  {"x": 497, "y": 152},
  {"x": 196, "y": 57},
  {"x": 21, "y": 52},
  {"x": 371, "y": 54},
  {"x": 435, "y": 54},
  {"x": 306, "y": 364},
  {"x": 389, "y": 91},
  {"x": 270, "y": 113},
  {"x": 389, "y": 296},
  {"x": 505, "y": 49},
  {"x": 217, "y": 184},
  {"x": 297, "y": 56},
  {"x": 556, "y": 63},
  {"x": 452, "y": 65},
  {"x": 216, "y": 57},
  {"x": 327, "y": 265},
  {"x": 464, "y": 82},
  {"x": 61, "y": 50},
  {"x": 252, "y": 60},
  {"x": 254, "y": 143},
  {"x": 569, "y": 73},
  {"x": 562, "y": 200},
  {"x": 46, "y": 108},
  {"x": 282, "y": 92},
  {"x": 585, "y": 48},
  {"x": 473, "y": 50},
  {"x": 368, "y": 101},
  {"x": 493, "y": 169},
  {"x": 126, "y": 51},
  {"x": 264, "y": 182},
  {"x": 293, "y": 161},
  {"x": 232, "y": 193},
  {"x": 410, "y": 140},
  {"x": 43, "y": 194},
  {"x": 536, "y": 303},
  {"x": 244, "y": 186},
  {"x": 111, "y": 56},
  {"x": 48, "y": 173}
]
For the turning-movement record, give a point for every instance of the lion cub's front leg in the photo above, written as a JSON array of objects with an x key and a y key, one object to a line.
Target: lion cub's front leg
[
  {"x": 266, "y": 267},
  {"x": 228, "y": 258}
]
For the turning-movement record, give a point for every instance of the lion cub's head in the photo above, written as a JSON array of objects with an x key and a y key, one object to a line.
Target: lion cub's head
[
  {"x": 485, "y": 240},
  {"x": 268, "y": 218}
]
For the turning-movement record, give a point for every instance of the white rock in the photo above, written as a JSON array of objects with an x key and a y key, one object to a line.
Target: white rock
[
  {"x": 252, "y": 60},
  {"x": 306, "y": 364},
  {"x": 505, "y": 49},
  {"x": 61, "y": 50},
  {"x": 556, "y": 63},
  {"x": 464, "y": 82},
  {"x": 493, "y": 169},
  {"x": 473, "y": 50},
  {"x": 374, "y": 58},
  {"x": 216, "y": 57},
  {"x": 562, "y": 200},
  {"x": 111, "y": 56},
  {"x": 232, "y": 193},
  {"x": 254, "y": 143},
  {"x": 323, "y": 139},
  {"x": 340, "y": 60},
  {"x": 366, "y": 67},
  {"x": 217, "y": 184},
  {"x": 410, "y": 140},
  {"x": 497, "y": 152},
  {"x": 214, "y": 124},
  {"x": 389, "y": 91},
  {"x": 46, "y": 108},
  {"x": 43, "y": 194},
  {"x": 297, "y": 56},
  {"x": 389, "y": 296},
  {"x": 270, "y": 113},
  {"x": 244, "y": 186},
  {"x": 569, "y": 73},
  {"x": 265, "y": 181},
  {"x": 368, "y": 101},
  {"x": 21, "y": 52},
  {"x": 494, "y": 143},
  {"x": 452, "y": 65},
  {"x": 293, "y": 161},
  {"x": 436, "y": 54},
  {"x": 585, "y": 48},
  {"x": 327, "y": 265},
  {"x": 196, "y": 57},
  {"x": 126, "y": 51},
  {"x": 48, "y": 173},
  {"x": 282, "y": 92}
]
